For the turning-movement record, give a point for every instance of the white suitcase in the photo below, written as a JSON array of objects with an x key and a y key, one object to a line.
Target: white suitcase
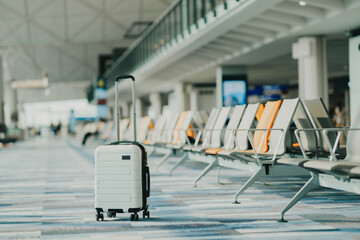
[{"x": 122, "y": 178}]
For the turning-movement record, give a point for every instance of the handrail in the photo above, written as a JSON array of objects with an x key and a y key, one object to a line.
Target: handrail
[{"x": 177, "y": 21}]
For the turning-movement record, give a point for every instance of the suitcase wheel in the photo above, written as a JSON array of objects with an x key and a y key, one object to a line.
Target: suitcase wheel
[
  {"x": 134, "y": 217},
  {"x": 99, "y": 216},
  {"x": 146, "y": 213},
  {"x": 111, "y": 214}
]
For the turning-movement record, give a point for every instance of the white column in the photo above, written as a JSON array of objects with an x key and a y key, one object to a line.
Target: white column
[
  {"x": 13, "y": 106},
  {"x": 219, "y": 87},
  {"x": 138, "y": 108},
  {"x": 10, "y": 96},
  {"x": 354, "y": 61},
  {"x": 312, "y": 67},
  {"x": 2, "y": 113},
  {"x": 182, "y": 97},
  {"x": 156, "y": 104},
  {"x": 194, "y": 100}
]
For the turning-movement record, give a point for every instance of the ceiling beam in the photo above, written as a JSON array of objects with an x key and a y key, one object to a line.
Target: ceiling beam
[
  {"x": 282, "y": 17},
  {"x": 193, "y": 60},
  {"x": 304, "y": 11},
  {"x": 269, "y": 24},
  {"x": 226, "y": 48},
  {"x": 326, "y": 4},
  {"x": 216, "y": 51},
  {"x": 66, "y": 21},
  {"x": 230, "y": 42},
  {"x": 28, "y": 31},
  {"x": 243, "y": 37},
  {"x": 206, "y": 55},
  {"x": 103, "y": 20},
  {"x": 265, "y": 33},
  {"x": 106, "y": 14}
]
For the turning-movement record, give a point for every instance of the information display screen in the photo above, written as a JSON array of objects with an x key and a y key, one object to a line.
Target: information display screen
[{"x": 234, "y": 92}]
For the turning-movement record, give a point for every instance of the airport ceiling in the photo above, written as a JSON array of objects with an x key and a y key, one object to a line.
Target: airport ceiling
[
  {"x": 65, "y": 37},
  {"x": 259, "y": 38}
]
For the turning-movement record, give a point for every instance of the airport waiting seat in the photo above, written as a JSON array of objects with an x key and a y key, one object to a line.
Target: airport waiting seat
[
  {"x": 258, "y": 161},
  {"x": 233, "y": 124},
  {"x": 260, "y": 137},
  {"x": 311, "y": 141},
  {"x": 240, "y": 138},
  {"x": 156, "y": 131},
  {"x": 322, "y": 119},
  {"x": 247, "y": 118},
  {"x": 199, "y": 153},
  {"x": 169, "y": 128},
  {"x": 212, "y": 139},
  {"x": 204, "y": 134},
  {"x": 144, "y": 128},
  {"x": 200, "y": 132},
  {"x": 333, "y": 173},
  {"x": 179, "y": 137}
]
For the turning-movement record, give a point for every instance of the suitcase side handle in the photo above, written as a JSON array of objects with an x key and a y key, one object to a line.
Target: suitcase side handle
[
  {"x": 117, "y": 79},
  {"x": 148, "y": 182}
]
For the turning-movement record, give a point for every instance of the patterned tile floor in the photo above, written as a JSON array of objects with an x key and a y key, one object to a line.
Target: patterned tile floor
[{"x": 46, "y": 191}]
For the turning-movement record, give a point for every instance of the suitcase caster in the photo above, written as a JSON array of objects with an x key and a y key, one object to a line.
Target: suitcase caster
[
  {"x": 111, "y": 214},
  {"x": 134, "y": 217},
  {"x": 146, "y": 213},
  {"x": 99, "y": 216}
]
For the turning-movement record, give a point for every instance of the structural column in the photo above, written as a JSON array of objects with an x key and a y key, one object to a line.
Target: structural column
[
  {"x": 138, "y": 108},
  {"x": 10, "y": 95},
  {"x": 182, "y": 97},
  {"x": 156, "y": 103},
  {"x": 194, "y": 100},
  {"x": 312, "y": 67},
  {"x": 2, "y": 113},
  {"x": 354, "y": 67},
  {"x": 13, "y": 105}
]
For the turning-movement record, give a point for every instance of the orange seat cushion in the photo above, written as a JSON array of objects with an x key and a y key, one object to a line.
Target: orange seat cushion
[
  {"x": 151, "y": 125},
  {"x": 295, "y": 145},
  {"x": 190, "y": 133},
  {"x": 213, "y": 150},
  {"x": 266, "y": 122},
  {"x": 259, "y": 112}
]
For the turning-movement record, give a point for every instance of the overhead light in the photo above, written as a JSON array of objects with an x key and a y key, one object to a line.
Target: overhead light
[
  {"x": 31, "y": 83},
  {"x": 302, "y": 3}
]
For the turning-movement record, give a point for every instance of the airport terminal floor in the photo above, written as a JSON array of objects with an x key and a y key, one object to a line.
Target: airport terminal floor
[{"x": 47, "y": 192}]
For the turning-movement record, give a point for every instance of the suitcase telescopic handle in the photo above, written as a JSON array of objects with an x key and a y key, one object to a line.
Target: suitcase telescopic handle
[
  {"x": 121, "y": 77},
  {"x": 117, "y": 79}
]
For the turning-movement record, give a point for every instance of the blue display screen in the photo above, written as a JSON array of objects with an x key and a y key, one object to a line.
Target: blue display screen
[
  {"x": 234, "y": 92},
  {"x": 267, "y": 92}
]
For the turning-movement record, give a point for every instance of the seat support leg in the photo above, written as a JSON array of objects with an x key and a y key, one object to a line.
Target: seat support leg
[
  {"x": 211, "y": 165},
  {"x": 181, "y": 160},
  {"x": 311, "y": 184},
  {"x": 163, "y": 160},
  {"x": 150, "y": 152},
  {"x": 256, "y": 176},
  {"x": 218, "y": 176}
]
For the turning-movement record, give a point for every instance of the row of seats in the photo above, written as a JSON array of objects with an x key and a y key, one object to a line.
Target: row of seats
[{"x": 289, "y": 137}]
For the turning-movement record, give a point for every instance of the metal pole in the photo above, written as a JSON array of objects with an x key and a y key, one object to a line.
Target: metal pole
[
  {"x": 117, "y": 111},
  {"x": 134, "y": 112}
]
